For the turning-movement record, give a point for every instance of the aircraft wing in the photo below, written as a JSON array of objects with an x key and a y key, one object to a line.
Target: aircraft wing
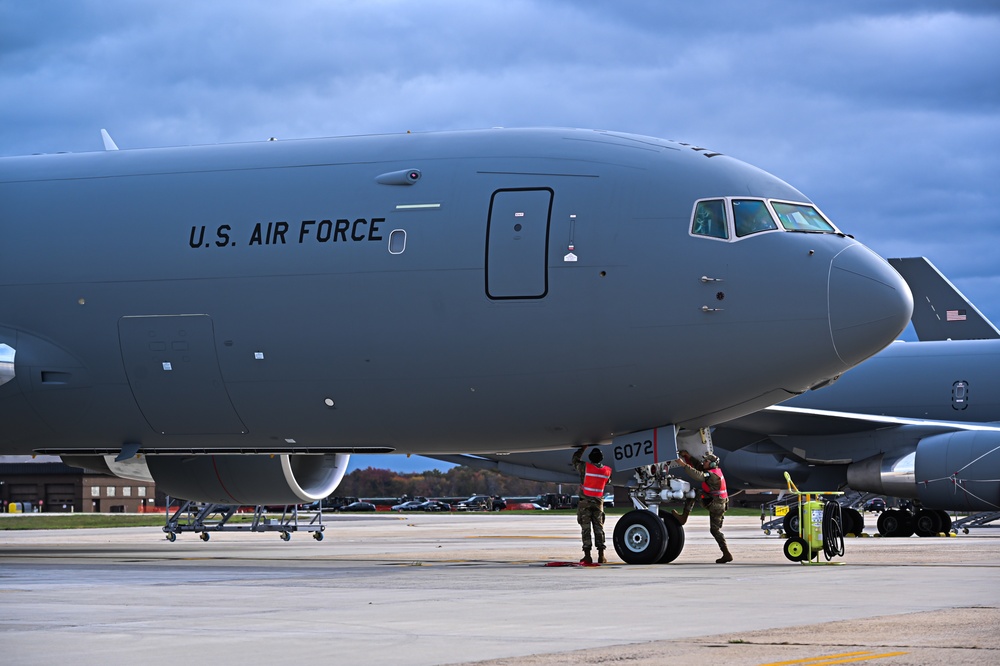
[
  {"x": 547, "y": 466},
  {"x": 781, "y": 420}
]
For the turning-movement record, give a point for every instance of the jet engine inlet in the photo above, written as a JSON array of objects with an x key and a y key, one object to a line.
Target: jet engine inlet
[
  {"x": 954, "y": 471},
  {"x": 885, "y": 475},
  {"x": 6, "y": 363},
  {"x": 231, "y": 479},
  {"x": 249, "y": 479}
]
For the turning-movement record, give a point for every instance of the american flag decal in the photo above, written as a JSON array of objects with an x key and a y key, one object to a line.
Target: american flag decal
[{"x": 955, "y": 315}]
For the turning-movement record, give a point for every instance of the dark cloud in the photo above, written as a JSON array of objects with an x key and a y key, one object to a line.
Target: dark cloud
[{"x": 885, "y": 114}]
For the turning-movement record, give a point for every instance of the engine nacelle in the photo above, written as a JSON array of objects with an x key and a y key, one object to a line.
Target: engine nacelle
[
  {"x": 952, "y": 471},
  {"x": 231, "y": 479},
  {"x": 959, "y": 470}
]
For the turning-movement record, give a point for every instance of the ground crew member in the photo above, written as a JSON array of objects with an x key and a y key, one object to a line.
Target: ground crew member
[
  {"x": 713, "y": 497},
  {"x": 594, "y": 476}
]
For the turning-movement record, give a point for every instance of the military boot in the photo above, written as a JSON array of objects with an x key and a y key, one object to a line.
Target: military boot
[
  {"x": 726, "y": 556},
  {"x": 600, "y": 556},
  {"x": 681, "y": 517},
  {"x": 587, "y": 559}
]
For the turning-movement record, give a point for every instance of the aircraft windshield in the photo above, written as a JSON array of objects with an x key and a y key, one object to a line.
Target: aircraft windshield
[
  {"x": 800, "y": 217},
  {"x": 751, "y": 217},
  {"x": 710, "y": 219},
  {"x": 729, "y": 218}
]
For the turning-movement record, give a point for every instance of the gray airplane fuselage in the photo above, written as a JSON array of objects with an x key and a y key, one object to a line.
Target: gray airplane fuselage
[
  {"x": 933, "y": 395},
  {"x": 410, "y": 293},
  {"x": 929, "y": 447},
  {"x": 942, "y": 381}
]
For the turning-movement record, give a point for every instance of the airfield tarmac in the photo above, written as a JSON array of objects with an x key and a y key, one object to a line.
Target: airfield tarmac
[{"x": 461, "y": 589}]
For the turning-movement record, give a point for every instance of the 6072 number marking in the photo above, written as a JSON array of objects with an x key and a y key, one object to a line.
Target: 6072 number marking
[{"x": 634, "y": 450}]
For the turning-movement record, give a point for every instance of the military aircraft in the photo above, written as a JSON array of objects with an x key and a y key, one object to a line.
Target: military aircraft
[
  {"x": 940, "y": 310},
  {"x": 233, "y": 321},
  {"x": 919, "y": 420}
]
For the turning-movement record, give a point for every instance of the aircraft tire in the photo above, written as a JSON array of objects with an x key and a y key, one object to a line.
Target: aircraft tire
[
  {"x": 888, "y": 523},
  {"x": 791, "y": 522},
  {"x": 945, "y": 521},
  {"x": 854, "y": 522},
  {"x": 675, "y": 538},
  {"x": 640, "y": 537},
  {"x": 205, "y": 536},
  {"x": 895, "y": 523},
  {"x": 927, "y": 523},
  {"x": 905, "y": 525}
]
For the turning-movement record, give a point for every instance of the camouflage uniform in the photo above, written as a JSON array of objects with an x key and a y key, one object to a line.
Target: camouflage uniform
[
  {"x": 590, "y": 510},
  {"x": 716, "y": 507}
]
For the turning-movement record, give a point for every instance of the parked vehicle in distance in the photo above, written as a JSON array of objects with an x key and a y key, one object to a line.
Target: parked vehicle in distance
[
  {"x": 412, "y": 505},
  {"x": 330, "y": 503},
  {"x": 358, "y": 506},
  {"x": 474, "y": 503},
  {"x": 557, "y": 501},
  {"x": 435, "y": 505},
  {"x": 876, "y": 505},
  {"x": 526, "y": 505}
]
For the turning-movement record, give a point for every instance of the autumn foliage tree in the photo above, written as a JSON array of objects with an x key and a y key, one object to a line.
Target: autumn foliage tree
[{"x": 458, "y": 481}]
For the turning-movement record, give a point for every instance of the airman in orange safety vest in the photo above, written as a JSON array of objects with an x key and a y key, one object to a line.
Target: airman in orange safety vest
[
  {"x": 714, "y": 497},
  {"x": 594, "y": 477}
]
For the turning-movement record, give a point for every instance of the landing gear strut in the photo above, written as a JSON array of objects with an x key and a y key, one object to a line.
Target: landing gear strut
[{"x": 650, "y": 534}]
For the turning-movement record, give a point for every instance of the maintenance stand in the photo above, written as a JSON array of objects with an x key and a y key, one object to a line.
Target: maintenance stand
[{"x": 202, "y": 519}]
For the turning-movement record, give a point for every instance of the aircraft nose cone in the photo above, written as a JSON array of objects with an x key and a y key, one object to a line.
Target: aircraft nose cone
[{"x": 870, "y": 304}]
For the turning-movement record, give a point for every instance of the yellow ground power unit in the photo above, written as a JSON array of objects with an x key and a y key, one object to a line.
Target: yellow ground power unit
[{"x": 820, "y": 528}]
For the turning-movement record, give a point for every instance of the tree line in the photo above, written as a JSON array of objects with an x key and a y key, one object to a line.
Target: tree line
[{"x": 458, "y": 481}]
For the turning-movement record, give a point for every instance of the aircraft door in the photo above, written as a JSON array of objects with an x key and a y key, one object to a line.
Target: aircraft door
[
  {"x": 173, "y": 369},
  {"x": 517, "y": 242}
]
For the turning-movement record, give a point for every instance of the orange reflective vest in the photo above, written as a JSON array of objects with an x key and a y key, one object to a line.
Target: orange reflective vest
[
  {"x": 721, "y": 492},
  {"x": 594, "y": 480}
]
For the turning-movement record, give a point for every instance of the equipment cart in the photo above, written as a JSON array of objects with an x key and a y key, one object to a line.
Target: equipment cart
[
  {"x": 820, "y": 527},
  {"x": 203, "y": 519}
]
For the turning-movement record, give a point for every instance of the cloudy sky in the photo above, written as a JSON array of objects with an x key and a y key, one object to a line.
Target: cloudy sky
[{"x": 886, "y": 114}]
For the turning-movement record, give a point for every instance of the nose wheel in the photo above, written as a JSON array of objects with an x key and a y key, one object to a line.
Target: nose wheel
[{"x": 640, "y": 537}]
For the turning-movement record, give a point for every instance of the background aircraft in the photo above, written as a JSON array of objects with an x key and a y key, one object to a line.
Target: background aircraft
[
  {"x": 233, "y": 321},
  {"x": 920, "y": 420},
  {"x": 940, "y": 310}
]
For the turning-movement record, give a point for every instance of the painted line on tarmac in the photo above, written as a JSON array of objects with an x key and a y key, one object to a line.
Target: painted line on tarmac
[
  {"x": 836, "y": 659},
  {"x": 519, "y": 536}
]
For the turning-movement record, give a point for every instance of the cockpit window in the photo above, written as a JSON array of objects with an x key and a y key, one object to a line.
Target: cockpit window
[
  {"x": 710, "y": 219},
  {"x": 751, "y": 217},
  {"x": 800, "y": 217},
  {"x": 732, "y": 218}
]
